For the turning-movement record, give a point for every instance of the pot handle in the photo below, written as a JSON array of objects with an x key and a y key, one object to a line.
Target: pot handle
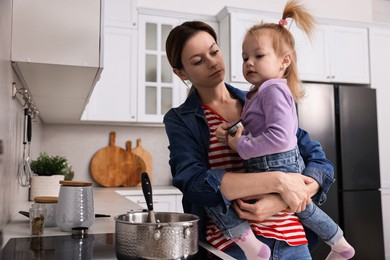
[{"x": 147, "y": 190}]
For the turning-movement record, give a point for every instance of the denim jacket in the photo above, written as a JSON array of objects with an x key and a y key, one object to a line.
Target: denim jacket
[{"x": 189, "y": 138}]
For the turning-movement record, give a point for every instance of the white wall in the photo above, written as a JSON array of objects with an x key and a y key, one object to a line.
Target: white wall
[
  {"x": 78, "y": 143},
  {"x": 11, "y": 121},
  {"x": 380, "y": 77}
]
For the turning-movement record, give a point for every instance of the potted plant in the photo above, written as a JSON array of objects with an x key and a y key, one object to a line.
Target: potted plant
[{"x": 48, "y": 171}]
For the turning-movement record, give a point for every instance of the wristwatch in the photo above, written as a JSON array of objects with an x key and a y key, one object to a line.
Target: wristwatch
[{"x": 232, "y": 130}]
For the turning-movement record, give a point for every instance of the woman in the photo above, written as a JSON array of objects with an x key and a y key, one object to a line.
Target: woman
[{"x": 203, "y": 169}]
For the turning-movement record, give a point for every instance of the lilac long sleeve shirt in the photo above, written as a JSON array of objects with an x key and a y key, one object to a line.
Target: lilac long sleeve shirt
[{"x": 270, "y": 119}]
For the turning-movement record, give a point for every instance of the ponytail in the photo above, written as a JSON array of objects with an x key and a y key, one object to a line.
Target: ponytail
[
  {"x": 283, "y": 40},
  {"x": 299, "y": 14}
]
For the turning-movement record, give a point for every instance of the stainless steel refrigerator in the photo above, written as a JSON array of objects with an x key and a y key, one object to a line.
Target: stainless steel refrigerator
[{"x": 344, "y": 120}]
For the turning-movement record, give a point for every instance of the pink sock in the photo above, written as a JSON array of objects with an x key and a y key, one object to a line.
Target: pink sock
[
  {"x": 252, "y": 247},
  {"x": 342, "y": 250}
]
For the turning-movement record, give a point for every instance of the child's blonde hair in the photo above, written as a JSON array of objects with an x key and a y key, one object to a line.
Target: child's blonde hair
[{"x": 283, "y": 40}]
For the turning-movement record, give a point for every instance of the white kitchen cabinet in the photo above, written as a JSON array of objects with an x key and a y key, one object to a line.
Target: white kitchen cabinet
[
  {"x": 158, "y": 88},
  {"x": 138, "y": 84},
  {"x": 335, "y": 54},
  {"x": 234, "y": 23},
  {"x": 165, "y": 198},
  {"x": 56, "y": 54},
  {"x": 161, "y": 203},
  {"x": 114, "y": 98},
  {"x": 121, "y": 13}
]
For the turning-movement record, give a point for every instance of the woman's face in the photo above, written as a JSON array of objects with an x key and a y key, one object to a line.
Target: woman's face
[{"x": 203, "y": 62}]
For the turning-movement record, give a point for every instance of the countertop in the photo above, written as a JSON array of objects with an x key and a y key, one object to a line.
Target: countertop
[
  {"x": 109, "y": 201},
  {"x": 106, "y": 201}
]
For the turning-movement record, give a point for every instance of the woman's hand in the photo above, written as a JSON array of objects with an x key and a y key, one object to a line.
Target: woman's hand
[
  {"x": 221, "y": 132},
  {"x": 265, "y": 206},
  {"x": 295, "y": 191}
]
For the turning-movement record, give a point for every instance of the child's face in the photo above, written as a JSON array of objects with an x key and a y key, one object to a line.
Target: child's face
[{"x": 260, "y": 62}]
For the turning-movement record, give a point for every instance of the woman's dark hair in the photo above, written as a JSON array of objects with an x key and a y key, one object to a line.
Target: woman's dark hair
[{"x": 178, "y": 37}]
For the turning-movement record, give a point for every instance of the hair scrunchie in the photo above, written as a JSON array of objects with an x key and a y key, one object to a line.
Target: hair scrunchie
[{"x": 282, "y": 22}]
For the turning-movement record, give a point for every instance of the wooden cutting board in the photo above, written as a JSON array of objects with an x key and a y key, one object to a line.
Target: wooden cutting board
[
  {"x": 145, "y": 155},
  {"x": 106, "y": 165},
  {"x": 133, "y": 166}
]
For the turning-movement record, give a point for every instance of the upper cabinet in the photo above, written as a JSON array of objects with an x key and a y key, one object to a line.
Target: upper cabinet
[
  {"x": 61, "y": 60},
  {"x": 137, "y": 84},
  {"x": 234, "y": 23},
  {"x": 158, "y": 88},
  {"x": 335, "y": 54},
  {"x": 114, "y": 98},
  {"x": 380, "y": 56},
  {"x": 56, "y": 54}
]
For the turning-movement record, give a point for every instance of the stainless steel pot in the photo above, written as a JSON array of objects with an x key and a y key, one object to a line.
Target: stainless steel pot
[{"x": 174, "y": 236}]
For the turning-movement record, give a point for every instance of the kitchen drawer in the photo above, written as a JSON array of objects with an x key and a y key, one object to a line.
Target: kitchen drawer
[{"x": 161, "y": 203}]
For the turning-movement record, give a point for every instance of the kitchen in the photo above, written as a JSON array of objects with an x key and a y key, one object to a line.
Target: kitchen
[{"x": 78, "y": 141}]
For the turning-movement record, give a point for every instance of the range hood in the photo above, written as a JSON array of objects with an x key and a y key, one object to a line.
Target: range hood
[{"x": 57, "y": 54}]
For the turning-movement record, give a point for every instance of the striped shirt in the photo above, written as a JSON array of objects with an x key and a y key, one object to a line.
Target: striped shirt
[
  {"x": 283, "y": 226},
  {"x": 220, "y": 154}
]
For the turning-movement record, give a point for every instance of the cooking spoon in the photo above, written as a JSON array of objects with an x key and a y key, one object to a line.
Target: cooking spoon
[{"x": 147, "y": 190}]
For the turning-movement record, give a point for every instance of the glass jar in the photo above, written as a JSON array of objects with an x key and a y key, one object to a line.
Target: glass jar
[
  {"x": 37, "y": 219},
  {"x": 50, "y": 203}
]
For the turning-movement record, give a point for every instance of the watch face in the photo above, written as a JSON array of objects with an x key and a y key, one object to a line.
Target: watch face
[{"x": 232, "y": 130}]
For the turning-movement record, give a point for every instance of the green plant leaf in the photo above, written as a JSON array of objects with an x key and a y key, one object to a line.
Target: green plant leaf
[{"x": 46, "y": 165}]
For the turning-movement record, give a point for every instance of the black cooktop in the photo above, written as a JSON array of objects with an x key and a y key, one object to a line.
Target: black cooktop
[{"x": 93, "y": 246}]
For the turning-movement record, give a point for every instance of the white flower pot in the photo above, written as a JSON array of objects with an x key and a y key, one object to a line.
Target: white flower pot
[{"x": 45, "y": 186}]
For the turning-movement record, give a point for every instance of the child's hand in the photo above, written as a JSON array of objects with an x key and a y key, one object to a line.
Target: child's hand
[
  {"x": 221, "y": 132},
  {"x": 233, "y": 140}
]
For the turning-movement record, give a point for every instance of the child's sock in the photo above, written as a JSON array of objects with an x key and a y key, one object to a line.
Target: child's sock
[
  {"x": 341, "y": 251},
  {"x": 252, "y": 247}
]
